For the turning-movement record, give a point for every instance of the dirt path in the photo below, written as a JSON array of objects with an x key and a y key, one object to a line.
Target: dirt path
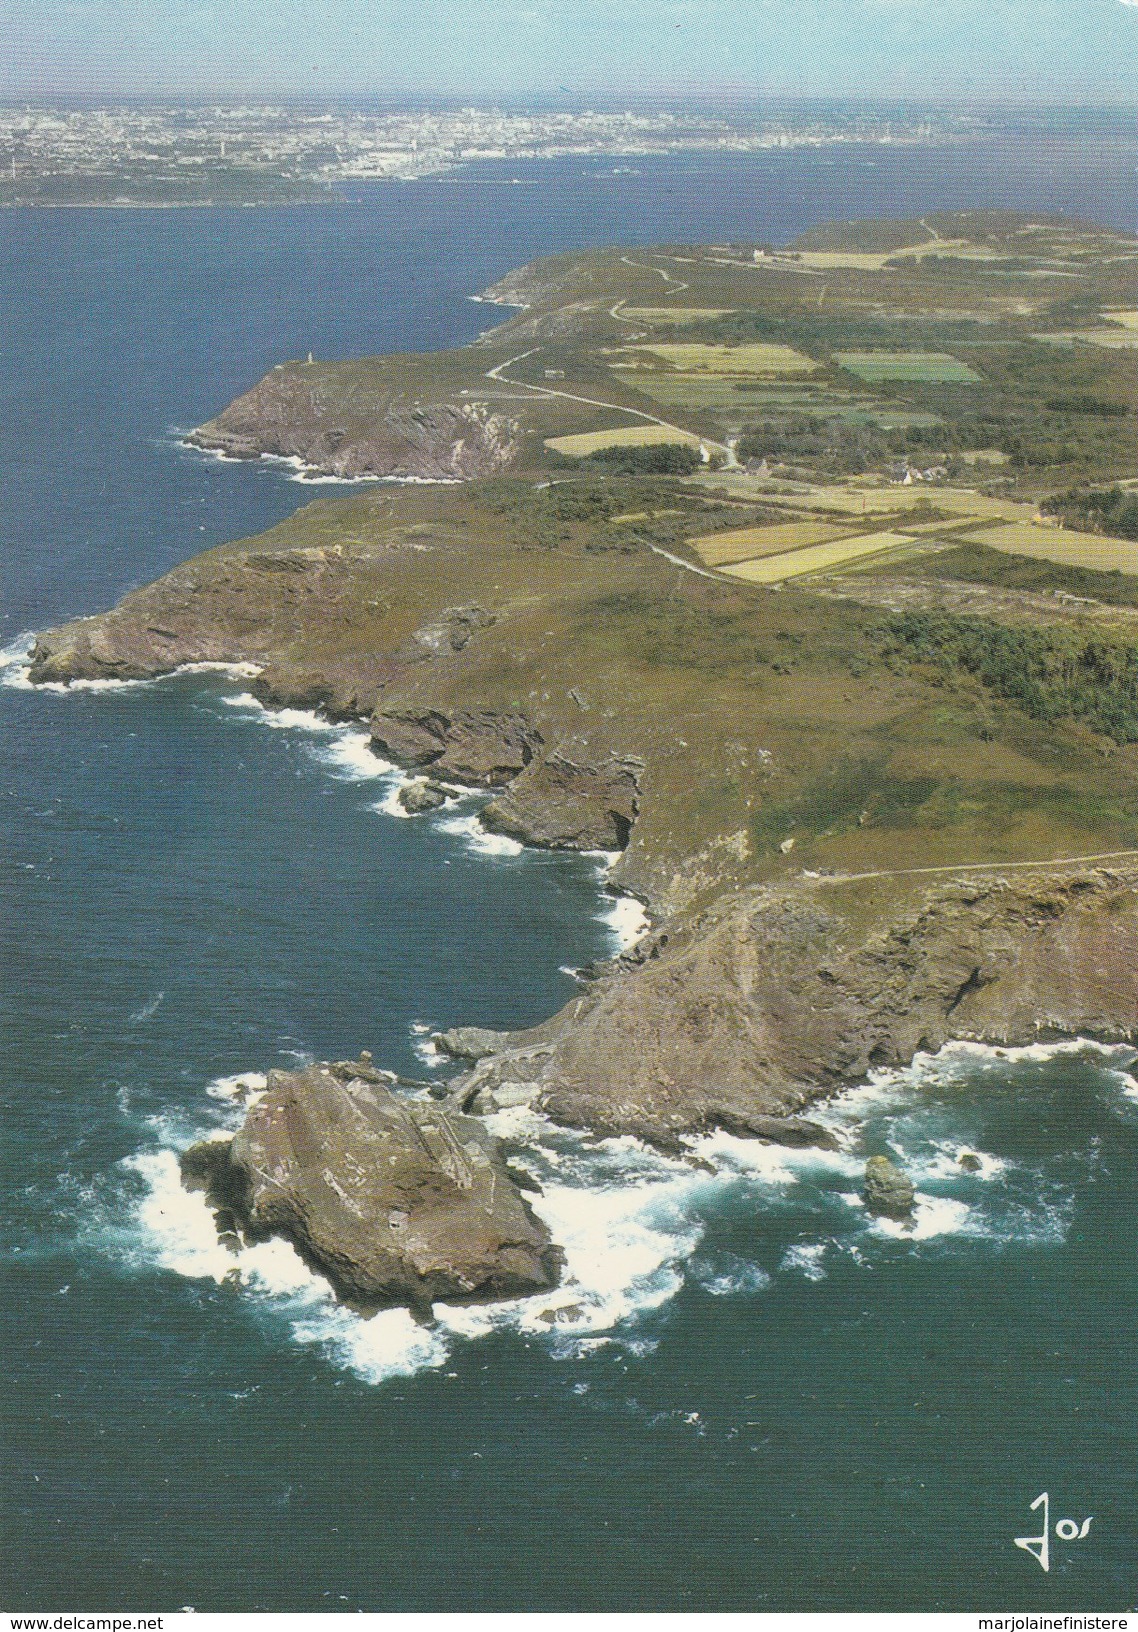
[
  {"x": 501, "y": 378},
  {"x": 641, "y": 266},
  {"x": 970, "y": 867}
]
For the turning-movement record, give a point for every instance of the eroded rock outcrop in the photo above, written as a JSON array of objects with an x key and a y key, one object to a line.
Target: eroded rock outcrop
[
  {"x": 396, "y": 1200},
  {"x": 562, "y": 805},
  {"x": 889, "y": 1192},
  {"x": 475, "y": 746},
  {"x": 783, "y": 994}
]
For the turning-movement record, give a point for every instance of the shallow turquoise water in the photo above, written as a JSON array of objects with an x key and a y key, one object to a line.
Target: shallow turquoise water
[{"x": 761, "y": 1400}]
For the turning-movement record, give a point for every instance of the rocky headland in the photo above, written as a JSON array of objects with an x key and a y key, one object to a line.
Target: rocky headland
[
  {"x": 777, "y": 997},
  {"x": 309, "y": 412}
]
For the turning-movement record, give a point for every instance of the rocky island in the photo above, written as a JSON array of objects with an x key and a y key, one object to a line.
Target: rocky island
[
  {"x": 821, "y": 615},
  {"x": 394, "y": 1200}
]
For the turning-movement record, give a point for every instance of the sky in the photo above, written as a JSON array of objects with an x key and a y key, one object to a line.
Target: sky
[{"x": 572, "y": 52}]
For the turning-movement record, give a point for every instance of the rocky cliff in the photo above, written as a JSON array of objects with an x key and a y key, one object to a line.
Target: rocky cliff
[
  {"x": 307, "y": 412},
  {"x": 782, "y": 995},
  {"x": 612, "y": 701}
]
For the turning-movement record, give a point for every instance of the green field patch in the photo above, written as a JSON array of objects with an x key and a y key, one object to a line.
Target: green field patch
[
  {"x": 920, "y": 367},
  {"x": 695, "y": 391},
  {"x": 752, "y": 357}
]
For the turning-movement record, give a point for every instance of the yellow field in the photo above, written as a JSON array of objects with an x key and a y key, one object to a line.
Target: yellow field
[
  {"x": 757, "y": 357},
  {"x": 859, "y": 260},
  {"x": 1129, "y": 320},
  {"x": 1061, "y": 545},
  {"x": 674, "y": 314},
  {"x": 751, "y": 543},
  {"x": 773, "y": 569},
  {"x": 627, "y": 436},
  {"x": 856, "y": 501}
]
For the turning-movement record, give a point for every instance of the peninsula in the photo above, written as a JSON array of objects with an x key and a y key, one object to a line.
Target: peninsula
[{"x": 805, "y": 579}]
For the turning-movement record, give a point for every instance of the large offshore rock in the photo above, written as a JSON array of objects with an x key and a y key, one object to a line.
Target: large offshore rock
[
  {"x": 394, "y": 1200},
  {"x": 889, "y": 1191}
]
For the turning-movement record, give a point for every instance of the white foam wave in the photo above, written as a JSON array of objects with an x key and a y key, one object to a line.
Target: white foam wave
[
  {"x": 932, "y": 1216},
  {"x": 626, "y": 918},
  {"x": 951, "y": 1160},
  {"x": 733, "y": 1277},
  {"x": 478, "y": 838},
  {"x": 241, "y": 1091},
  {"x": 15, "y": 672},
  {"x": 311, "y": 474},
  {"x": 431, "y": 1055},
  {"x": 805, "y": 1258},
  {"x": 14, "y": 664},
  {"x": 343, "y": 749},
  {"x": 389, "y": 1344}
]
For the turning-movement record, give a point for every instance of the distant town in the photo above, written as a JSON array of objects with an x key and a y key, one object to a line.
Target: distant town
[{"x": 234, "y": 154}]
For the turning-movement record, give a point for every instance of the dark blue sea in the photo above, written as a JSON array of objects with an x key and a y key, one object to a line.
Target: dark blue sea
[{"x": 762, "y": 1400}]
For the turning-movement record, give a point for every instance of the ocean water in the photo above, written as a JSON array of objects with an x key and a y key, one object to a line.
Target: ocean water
[{"x": 747, "y": 1394}]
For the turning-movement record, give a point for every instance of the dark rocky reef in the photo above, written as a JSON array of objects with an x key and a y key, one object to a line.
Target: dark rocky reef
[
  {"x": 396, "y": 1200},
  {"x": 474, "y": 746}
]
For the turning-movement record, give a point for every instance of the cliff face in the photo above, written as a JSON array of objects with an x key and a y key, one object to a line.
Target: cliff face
[
  {"x": 297, "y": 412},
  {"x": 784, "y": 994}
]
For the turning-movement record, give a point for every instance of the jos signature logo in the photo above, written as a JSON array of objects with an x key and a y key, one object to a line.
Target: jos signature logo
[{"x": 1066, "y": 1529}]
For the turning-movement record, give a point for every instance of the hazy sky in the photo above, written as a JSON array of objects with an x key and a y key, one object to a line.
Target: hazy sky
[{"x": 573, "y": 50}]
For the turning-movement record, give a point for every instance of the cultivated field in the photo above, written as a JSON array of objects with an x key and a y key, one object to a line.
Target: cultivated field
[
  {"x": 753, "y": 357},
  {"x": 674, "y": 314},
  {"x": 1062, "y": 545},
  {"x": 923, "y": 367},
  {"x": 1116, "y": 338},
  {"x": 852, "y": 500},
  {"x": 773, "y": 569},
  {"x": 751, "y": 543},
  {"x": 625, "y": 436},
  {"x": 695, "y": 391}
]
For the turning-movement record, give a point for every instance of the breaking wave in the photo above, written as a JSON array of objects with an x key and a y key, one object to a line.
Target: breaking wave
[{"x": 640, "y": 1228}]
